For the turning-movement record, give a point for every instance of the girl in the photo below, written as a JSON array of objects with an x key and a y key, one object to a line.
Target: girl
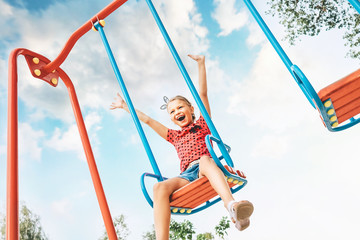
[{"x": 195, "y": 162}]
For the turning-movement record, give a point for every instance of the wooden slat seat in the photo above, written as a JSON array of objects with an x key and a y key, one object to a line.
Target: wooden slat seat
[
  {"x": 200, "y": 191},
  {"x": 344, "y": 95}
]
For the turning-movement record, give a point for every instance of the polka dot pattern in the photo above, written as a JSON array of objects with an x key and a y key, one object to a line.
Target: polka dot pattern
[{"x": 189, "y": 142}]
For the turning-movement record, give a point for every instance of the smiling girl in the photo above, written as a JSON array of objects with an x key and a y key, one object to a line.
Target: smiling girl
[{"x": 195, "y": 159}]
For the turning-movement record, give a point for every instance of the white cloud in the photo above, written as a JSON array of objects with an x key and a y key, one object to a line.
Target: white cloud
[
  {"x": 65, "y": 141},
  {"x": 264, "y": 95},
  {"x": 272, "y": 147},
  {"x": 6, "y": 9},
  {"x": 140, "y": 51},
  {"x": 256, "y": 35},
  {"x": 62, "y": 207},
  {"x": 228, "y": 17},
  {"x": 92, "y": 120},
  {"x": 70, "y": 140},
  {"x": 29, "y": 140},
  {"x": 178, "y": 12},
  {"x": 2, "y": 150},
  {"x": 3, "y": 76},
  {"x": 269, "y": 96},
  {"x": 134, "y": 139}
]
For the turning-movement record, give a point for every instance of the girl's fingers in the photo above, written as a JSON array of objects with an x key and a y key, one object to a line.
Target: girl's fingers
[{"x": 196, "y": 57}]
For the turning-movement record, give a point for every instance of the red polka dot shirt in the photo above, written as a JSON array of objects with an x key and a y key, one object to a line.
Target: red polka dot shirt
[{"x": 189, "y": 142}]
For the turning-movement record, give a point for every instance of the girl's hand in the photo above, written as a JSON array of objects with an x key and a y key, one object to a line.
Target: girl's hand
[
  {"x": 119, "y": 103},
  {"x": 198, "y": 58}
]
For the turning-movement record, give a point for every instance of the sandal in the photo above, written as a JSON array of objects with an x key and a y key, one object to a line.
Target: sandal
[{"x": 240, "y": 213}]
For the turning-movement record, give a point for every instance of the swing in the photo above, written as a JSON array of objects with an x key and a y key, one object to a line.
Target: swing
[
  {"x": 337, "y": 102},
  {"x": 198, "y": 195},
  {"x": 344, "y": 97},
  {"x": 200, "y": 191}
]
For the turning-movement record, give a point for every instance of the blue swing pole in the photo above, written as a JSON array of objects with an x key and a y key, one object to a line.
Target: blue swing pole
[
  {"x": 269, "y": 35},
  {"x": 132, "y": 110},
  {"x": 299, "y": 77},
  {"x": 272, "y": 38},
  {"x": 356, "y": 4},
  {"x": 189, "y": 83}
]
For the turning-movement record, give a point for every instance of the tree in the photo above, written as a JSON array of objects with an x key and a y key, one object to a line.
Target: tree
[
  {"x": 150, "y": 235},
  {"x": 183, "y": 231},
  {"x": 310, "y": 17},
  {"x": 205, "y": 236},
  {"x": 2, "y": 226},
  {"x": 122, "y": 230},
  {"x": 29, "y": 225},
  {"x": 221, "y": 229}
]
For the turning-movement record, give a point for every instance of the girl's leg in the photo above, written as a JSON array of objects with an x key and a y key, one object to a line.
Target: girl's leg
[
  {"x": 216, "y": 178},
  {"x": 162, "y": 192},
  {"x": 239, "y": 211}
]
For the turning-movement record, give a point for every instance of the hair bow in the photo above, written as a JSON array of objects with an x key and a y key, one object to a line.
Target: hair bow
[{"x": 164, "y": 106}]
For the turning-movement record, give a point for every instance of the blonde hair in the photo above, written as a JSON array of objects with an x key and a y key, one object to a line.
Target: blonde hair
[{"x": 184, "y": 99}]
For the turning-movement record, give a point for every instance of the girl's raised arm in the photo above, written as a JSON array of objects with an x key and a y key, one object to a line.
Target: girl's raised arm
[
  {"x": 200, "y": 59},
  {"x": 155, "y": 125}
]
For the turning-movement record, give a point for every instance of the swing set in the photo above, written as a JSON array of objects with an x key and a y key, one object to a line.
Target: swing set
[{"x": 193, "y": 197}]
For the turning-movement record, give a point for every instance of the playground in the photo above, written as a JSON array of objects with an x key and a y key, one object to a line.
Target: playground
[{"x": 302, "y": 172}]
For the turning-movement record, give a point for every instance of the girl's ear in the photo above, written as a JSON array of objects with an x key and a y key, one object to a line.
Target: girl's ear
[{"x": 192, "y": 109}]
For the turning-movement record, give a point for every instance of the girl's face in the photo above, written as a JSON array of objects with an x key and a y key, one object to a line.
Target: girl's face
[{"x": 180, "y": 113}]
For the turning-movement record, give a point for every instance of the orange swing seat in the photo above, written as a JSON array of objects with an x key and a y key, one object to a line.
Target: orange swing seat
[
  {"x": 200, "y": 191},
  {"x": 343, "y": 97}
]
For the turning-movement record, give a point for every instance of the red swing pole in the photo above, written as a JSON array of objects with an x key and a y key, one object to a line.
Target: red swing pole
[
  {"x": 80, "y": 32},
  {"x": 12, "y": 216},
  {"x": 12, "y": 203},
  {"x": 43, "y": 72},
  {"x": 100, "y": 194}
]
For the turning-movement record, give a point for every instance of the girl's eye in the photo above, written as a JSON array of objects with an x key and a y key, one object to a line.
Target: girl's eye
[
  {"x": 180, "y": 107},
  {"x": 171, "y": 112}
]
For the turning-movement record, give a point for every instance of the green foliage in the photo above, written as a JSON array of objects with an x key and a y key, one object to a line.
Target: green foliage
[
  {"x": 2, "y": 226},
  {"x": 205, "y": 236},
  {"x": 122, "y": 230},
  {"x": 29, "y": 226},
  {"x": 149, "y": 235},
  {"x": 183, "y": 230},
  {"x": 310, "y": 17},
  {"x": 221, "y": 229}
]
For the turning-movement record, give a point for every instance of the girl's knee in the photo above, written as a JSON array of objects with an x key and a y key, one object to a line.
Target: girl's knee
[
  {"x": 206, "y": 160},
  {"x": 162, "y": 189},
  {"x": 159, "y": 187},
  {"x": 206, "y": 164}
]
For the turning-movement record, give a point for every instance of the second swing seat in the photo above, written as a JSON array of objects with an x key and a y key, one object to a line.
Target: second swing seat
[{"x": 342, "y": 98}]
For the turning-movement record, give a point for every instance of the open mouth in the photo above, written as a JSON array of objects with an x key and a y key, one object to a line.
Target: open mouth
[{"x": 181, "y": 118}]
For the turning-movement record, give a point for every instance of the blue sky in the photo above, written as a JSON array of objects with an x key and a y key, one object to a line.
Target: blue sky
[{"x": 303, "y": 180}]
